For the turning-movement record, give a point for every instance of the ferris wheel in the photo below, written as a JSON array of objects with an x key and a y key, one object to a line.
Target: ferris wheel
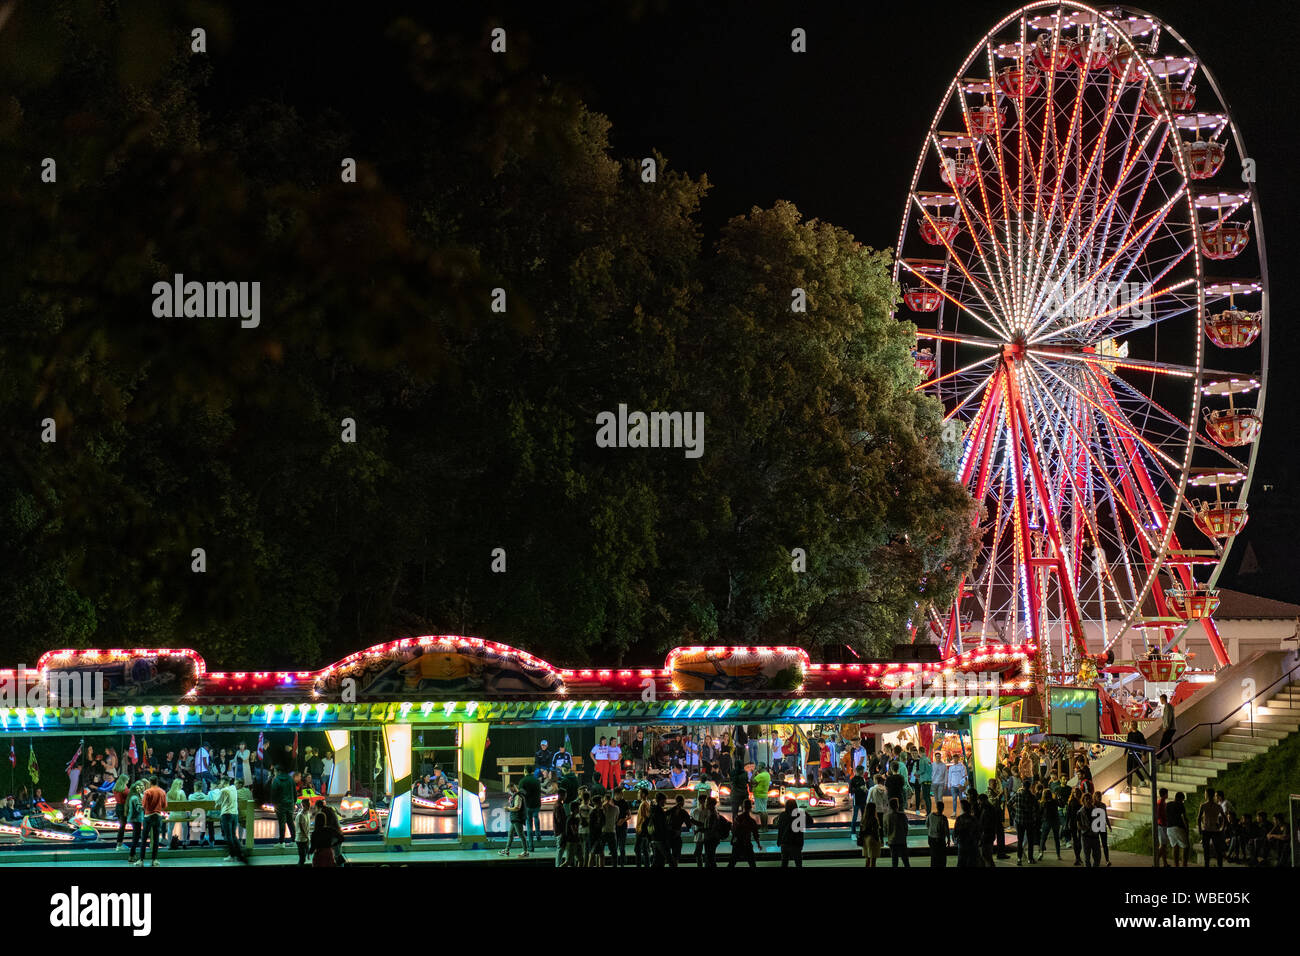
[{"x": 1082, "y": 254}]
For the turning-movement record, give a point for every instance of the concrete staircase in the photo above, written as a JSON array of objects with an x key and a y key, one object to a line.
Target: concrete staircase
[{"x": 1277, "y": 718}]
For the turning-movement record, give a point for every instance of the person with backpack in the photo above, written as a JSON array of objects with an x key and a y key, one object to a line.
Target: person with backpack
[
  {"x": 790, "y": 824},
  {"x": 518, "y": 820},
  {"x": 1210, "y": 821}
]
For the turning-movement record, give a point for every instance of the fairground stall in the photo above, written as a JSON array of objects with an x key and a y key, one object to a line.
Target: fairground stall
[{"x": 420, "y": 737}]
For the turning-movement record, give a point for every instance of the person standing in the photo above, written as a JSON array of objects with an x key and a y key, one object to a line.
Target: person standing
[
  {"x": 659, "y": 826},
  {"x": 678, "y": 820},
  {"x": 1090, "y": 827},
  {"x": 923, "y": 771},
  {"x": 896, "y": 831},
  {"x": 283, "y": 797},
  {"x": 134, "y": 813},
  {"x": 938, "y": 776},
  {"x": 530, "y": 789},
  {"x": 858, "y": 795},
  {"x": 869, "y": 836},
  {"x": 966, "y": 834},
  {"x": 301, "y": 831},
  {"x": 715, "y": 828},
  {"x": 937, "y": 835},
  {"x": 1051, "y": 823},
  {"x": 515, "y": 807},
  {"x": 1134, "y": 759},
  {"x": 1168, "y": 727},
  {"x": 790, "y": 825},
  {"x": 1026, "y": 818},
  {"x": 227, "y": 810},
  {"x": 761, "y": 784},
  {"x": 154, "y": 808},
  {"x": 1176, "y": 823},
  {"x": 990, "y": 821},
  {"x": 744, "y": 837},
  {"x": 641, "y": 848},
  {"x": 121, "y": 795},
  {"x": 202, "y": 765},
  {"x": 1210, "y": 821}
]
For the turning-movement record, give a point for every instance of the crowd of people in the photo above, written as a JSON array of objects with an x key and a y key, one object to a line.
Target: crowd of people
[
  {"x": 1251, "y": 839},
  {"x": 1042, "y": 794},
  {"x": 142, "y": 798}
]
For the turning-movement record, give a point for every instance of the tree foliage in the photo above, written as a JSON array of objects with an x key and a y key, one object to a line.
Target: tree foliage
[{"x": 475, "y": 429}]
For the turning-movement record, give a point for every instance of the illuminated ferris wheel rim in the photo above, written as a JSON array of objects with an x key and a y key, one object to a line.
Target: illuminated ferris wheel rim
[{"x": 1014, "y": 337}]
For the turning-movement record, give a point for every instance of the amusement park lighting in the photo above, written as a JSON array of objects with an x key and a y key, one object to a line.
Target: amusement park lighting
[
  {"x": 320, "y": 711},
  {"x": 183, "y": 711},
  {"x": 148, "y": 714}
]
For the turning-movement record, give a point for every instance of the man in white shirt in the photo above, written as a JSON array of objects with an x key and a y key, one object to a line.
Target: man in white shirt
[
  {"x": 202, "y": 763},
  {"x": 957, "y": 779},
  {"x": 227, "y": 809},
  {"x": 692, "y": 754}
]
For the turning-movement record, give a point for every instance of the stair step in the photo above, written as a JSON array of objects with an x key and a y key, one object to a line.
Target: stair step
[
  {"x": 1246, "y": 740},
  {"x": 1144, "y": 793},
  {"x": 1280, "y": 720},
  {"x": 1203, "y": 760},
  {"x": 1231, "y": 747},
  {"x": 1261, "y": 730}
]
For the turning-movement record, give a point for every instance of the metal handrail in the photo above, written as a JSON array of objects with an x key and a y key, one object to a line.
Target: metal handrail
[
  {"x": 1285, "y": 678},
  {"x": 1213, "y": 723}
]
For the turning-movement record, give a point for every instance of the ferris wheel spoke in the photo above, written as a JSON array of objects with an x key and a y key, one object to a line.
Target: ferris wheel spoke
[
  {"x": 1117, "y": 420},
  {"x": 943, "y": 292},
  {"x": 1066, "y": 271},
  {"x": 1098, "y": 466},
  {"x": 1142, "y": 237},
  {"x": 956, "y": 260}
]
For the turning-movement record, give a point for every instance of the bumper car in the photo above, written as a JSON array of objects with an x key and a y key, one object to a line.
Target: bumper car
[
  {"x": 48, "y": 826},
  {"x": 356, "y": 815}
]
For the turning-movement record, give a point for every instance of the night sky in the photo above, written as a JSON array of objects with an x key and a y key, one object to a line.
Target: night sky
[{"x": 835, "y": 130}]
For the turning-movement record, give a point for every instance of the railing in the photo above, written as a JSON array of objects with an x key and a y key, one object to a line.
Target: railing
[{"x": 1285, "y": 678}]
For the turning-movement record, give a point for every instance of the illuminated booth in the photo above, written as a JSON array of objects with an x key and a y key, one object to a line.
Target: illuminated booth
[{"x": 466, "y": 687}]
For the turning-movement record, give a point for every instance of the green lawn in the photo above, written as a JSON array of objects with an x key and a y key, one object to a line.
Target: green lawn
[{"x": 1263, "y": 783}]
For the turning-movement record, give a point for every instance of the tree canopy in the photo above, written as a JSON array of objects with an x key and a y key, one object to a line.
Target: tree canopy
[{"x": 475, "y": 429}]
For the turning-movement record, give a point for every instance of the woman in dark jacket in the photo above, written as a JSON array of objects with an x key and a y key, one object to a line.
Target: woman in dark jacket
[{"x": 324, "y": 839}]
